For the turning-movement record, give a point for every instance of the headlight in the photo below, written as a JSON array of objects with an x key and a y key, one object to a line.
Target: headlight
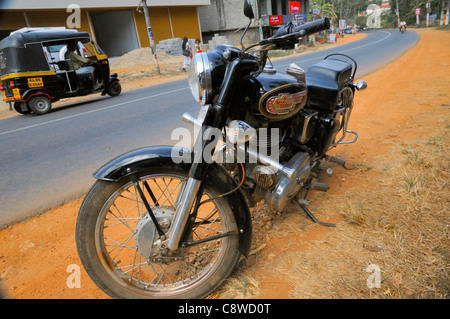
[
  {"x": 206, "y": 75},
  {"x": 200, "y": 78}
]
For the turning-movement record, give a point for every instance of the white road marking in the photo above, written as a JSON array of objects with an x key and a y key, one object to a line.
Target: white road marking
[{"x": 89, "y": 112}]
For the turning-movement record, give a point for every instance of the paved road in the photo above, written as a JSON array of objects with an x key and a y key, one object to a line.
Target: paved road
[{"x": 45, "y": 160}]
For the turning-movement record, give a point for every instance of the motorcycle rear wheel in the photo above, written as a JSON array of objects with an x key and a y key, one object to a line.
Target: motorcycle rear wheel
[{"x": 113, "y": 242}]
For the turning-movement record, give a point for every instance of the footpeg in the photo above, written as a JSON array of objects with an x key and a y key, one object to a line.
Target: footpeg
[
  {"x": 336, "y": 160},
  {"x": 323, "y": 187}
]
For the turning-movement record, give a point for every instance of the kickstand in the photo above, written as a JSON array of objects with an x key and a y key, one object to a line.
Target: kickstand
[{"x": 314, "y": 219}]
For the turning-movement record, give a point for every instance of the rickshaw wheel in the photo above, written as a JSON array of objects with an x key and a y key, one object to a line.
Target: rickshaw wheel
[
  {"x": 40, "y": 104},
  {"x": 18, "y": 108},
  {"x": 114, "y": 89}
]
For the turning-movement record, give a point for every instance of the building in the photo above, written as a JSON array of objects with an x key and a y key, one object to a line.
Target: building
[
  {"x": 118, "y": 26},
  {"x": 224, "y": 17}
]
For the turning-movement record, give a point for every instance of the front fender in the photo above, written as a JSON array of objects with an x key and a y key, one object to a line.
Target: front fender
[
  {"x": 138, "y": 160},
  {"x": 142, "y": 159}
]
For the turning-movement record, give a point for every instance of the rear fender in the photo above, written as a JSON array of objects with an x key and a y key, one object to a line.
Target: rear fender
[
  {"x": 141, "y": 160},
  {"x": 34, "y": 92}
]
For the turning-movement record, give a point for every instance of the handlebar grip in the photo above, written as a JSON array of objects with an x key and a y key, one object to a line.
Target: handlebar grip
[
  {"x": 288, "y": 35},
  {"x": 314, "y": 27}
]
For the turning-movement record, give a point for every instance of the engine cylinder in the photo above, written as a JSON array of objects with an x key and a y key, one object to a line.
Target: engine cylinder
[{"x": 286, "y": 189}]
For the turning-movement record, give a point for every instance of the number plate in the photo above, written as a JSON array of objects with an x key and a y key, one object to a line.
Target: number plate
[
  {"x": 35, "y": 82},
  {"x": 16, "y": 93}
]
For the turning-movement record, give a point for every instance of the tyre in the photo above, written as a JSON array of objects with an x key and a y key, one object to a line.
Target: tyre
[
  {"x": 40, "y": 104},
  {"x": 114, "y": 89},
  {"x": 116, "y": 239},
  {"x": 18, "y": 108}
]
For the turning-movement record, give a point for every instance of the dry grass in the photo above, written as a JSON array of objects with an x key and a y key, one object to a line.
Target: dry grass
[
  {"x": 409, "y": 217},
  {"x": 398, "y": 225},
  {"x": 239, "y": 287}
]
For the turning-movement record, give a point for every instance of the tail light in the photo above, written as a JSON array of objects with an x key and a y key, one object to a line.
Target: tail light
[
  {"x": 2, "y": 88},
  {"x": 12, "y": 85}
]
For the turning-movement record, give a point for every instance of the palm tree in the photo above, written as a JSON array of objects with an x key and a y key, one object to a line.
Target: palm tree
[{"x": 326, "y": 9}]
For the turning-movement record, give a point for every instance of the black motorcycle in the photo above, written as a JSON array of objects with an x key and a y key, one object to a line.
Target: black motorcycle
[{"x": 171, "y": 222}]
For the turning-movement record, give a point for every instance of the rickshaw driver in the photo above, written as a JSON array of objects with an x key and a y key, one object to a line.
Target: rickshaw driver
[{"x": 76, "y": 63}]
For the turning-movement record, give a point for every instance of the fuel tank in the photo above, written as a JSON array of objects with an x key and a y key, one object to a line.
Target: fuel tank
[{"x": 278, "y": 96}]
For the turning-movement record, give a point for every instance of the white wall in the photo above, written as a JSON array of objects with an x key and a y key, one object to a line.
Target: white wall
[
  {"x": 115, "y": 32},
  {"x": 61, "y": 4},
  {"x": 233, "y": 12}
]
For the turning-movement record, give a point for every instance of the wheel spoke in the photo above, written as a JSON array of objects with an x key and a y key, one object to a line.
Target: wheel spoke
[{"x": 128, "y": 236}]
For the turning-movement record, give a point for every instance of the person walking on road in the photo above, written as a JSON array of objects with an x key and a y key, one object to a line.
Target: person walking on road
[{"x": 187, "y": 52}]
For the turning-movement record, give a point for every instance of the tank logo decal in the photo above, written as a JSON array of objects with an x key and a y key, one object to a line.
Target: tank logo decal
[{"x": 284, "y": 102}]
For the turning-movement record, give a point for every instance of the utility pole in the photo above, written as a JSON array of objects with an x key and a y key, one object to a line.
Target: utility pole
[
  {"x": 441, "y": 19},
  {"x": 398, "y": 15},
  {"x": 341, "y": 18},
  {"x": 258, "y": 19},
  {"x": 417, "y": 15},
  {"x": 448, "y": 12},
  {"x": 150, "y": 35},
  {"x": 428, "y": 12}
]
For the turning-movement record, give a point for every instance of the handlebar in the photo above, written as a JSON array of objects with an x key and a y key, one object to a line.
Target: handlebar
[
  {"x": 288, "y": 35},
  {"x": 314, "y": 27}
]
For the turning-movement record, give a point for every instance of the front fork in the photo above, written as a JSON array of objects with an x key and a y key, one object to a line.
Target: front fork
[
  {"x": 215, "y": 119},
  {"x": 186, "y": 203},
  {"x": 205, "y": 140}
]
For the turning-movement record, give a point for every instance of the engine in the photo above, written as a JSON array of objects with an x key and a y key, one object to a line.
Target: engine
[{"x": 277, "y": 189}]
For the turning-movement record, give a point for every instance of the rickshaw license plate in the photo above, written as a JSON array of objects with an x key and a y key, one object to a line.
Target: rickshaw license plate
[
  {"x": 35, "y": 82},
  {"x": 16, "y": 93}
]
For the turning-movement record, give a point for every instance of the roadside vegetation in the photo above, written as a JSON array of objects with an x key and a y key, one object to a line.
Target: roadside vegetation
[{"x": 397, "y": 224}]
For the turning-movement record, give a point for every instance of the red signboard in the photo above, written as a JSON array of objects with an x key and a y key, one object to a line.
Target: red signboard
[
  {"x": 418, "y": 12},
  {"x": 274, "y": 20},
  {"x": 294, "y": 6}
]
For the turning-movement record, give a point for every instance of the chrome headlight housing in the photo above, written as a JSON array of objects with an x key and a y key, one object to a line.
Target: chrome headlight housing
[
  {"x": 200, "y": 78},
  {"x": 206, "y": 75}
]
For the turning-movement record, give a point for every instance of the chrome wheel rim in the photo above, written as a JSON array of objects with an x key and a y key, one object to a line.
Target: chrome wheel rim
[{"x": 122, "y": 223}]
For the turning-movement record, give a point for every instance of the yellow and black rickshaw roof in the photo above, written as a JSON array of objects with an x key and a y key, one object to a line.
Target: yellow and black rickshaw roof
[
  {"x": 23, "y": 39},
  {"x": 22, "y": 51}
]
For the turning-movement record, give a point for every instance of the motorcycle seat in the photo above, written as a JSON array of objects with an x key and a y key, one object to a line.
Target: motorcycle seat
[{"x": 325, "y": 80}]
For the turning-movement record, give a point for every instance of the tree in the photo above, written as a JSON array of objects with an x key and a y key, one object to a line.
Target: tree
[
  {"x": 326, "y": 8},
  {"x": 407, "y": 9},
  {"x": 349, "y": 9}
]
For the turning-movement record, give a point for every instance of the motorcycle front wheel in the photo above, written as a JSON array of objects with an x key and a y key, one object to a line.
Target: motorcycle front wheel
[{"x": 116, "y": 238}]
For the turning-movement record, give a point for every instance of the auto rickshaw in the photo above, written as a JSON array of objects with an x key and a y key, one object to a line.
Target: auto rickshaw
[{"x": 35, "y": 71}]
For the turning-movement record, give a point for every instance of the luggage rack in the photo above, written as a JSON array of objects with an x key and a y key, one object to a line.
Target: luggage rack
[{"x": 346, "y": 107}]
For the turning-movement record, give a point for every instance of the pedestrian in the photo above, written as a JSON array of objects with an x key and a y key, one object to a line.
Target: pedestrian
[
  {"x": 198, "y": 48},
  {"x": 187, "y": 52}
]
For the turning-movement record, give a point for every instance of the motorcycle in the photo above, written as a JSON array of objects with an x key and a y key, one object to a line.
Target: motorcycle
[{"x": 172, "y": 222}]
